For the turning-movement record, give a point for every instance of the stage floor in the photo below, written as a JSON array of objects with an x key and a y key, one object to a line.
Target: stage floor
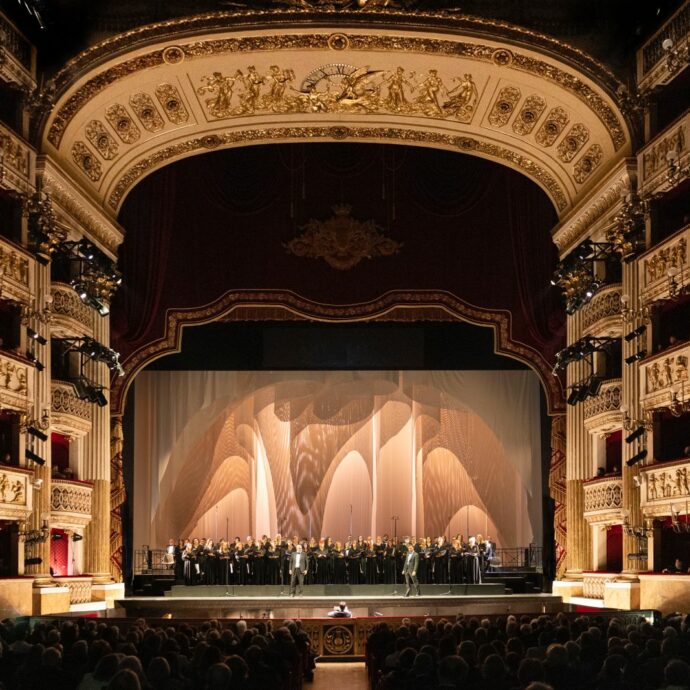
[{"x": 318, "y": 606}]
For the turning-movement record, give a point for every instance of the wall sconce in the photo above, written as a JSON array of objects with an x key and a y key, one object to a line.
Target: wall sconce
[
  {"x": 35, "y": 536},
  {"x": 646, "y": 421},
  {"x": 643, "y": 312},
  {"x": 676, "y": 282},
  {"x": 35, "y": 426},
  {"x": 641, "y": 532},
  {"x": 678, "y": 526},
  {"x": 677, "y": 56},
  {"x": 679, "y": 405},
  {"x": 43, "y": 315}
]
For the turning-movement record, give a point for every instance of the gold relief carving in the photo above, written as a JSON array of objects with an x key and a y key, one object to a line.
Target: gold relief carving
[
  {"x": 503, "y": 108},
  {"x": 173, "y": 55},
  {"x": 145, "y": 109},
  {"x": 339, "y": 88},
  {"x": 103, "y": 142},
  {"x": 173, "y": 105},
  {"x": 529, "y": 114},
  {"x": 603, "y": 495},
  {"x": 160, "y": 157},
  {"x": 338, "y": 640},
  {"x": 667, "y": 483},
  {"x": 86, "y": 161},
  {"x": 13, "y": 376},
  {"x": 341, "y": 240},
  {"x": 552, "y": 127},
  {"x": 573, "y": 141},
  {"x": 588, "y": 163},
  {"x": 502, "y": 57},
  {"x": 338, "y": 42},
  {"x": 69, "y": 497},
  {"x": 13, "y": 154},
  {"x": 14, "y": 266},
  {"x": 666, "y": 372},
  {"x": 12, "y": 490},
  {"x": 122, "y": 123},
  {"x": 673, "y": 256},
  {"x": 654, "y": 159}
]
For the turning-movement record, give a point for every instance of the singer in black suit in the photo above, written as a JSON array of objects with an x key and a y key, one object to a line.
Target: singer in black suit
[
  {"x": 410, "y": 565},
  {"x": 298, "y": 569}
]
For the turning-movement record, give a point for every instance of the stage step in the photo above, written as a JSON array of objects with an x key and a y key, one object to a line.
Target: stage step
[{"x": 247, "y": 591}]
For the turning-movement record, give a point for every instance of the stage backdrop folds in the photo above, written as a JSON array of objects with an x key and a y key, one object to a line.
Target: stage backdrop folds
[{"x": 223, "y": 453}]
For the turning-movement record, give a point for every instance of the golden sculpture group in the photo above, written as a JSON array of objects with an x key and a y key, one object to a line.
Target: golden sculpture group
[{"x": 339, "y": 88}]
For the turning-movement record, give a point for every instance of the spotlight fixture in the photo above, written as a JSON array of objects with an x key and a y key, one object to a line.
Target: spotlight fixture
[
  {"x": 30, "y": 455},
  {"x": 37, "y": 560},
  {"x": 89, "y": 391},
  {"x": 640, "y": 354},
  {"x": 635, "y": 434},
  {"x": 77, "y": 537},
  {"x": 573, "y": 397},
  {"x": 37, "y": 433},
  {"x": 594, "y": 385},
  {"x": 640, "y": 330},
  {"x": 636, "y": 458},
  {"x": 55, "y": 536},
  {"x": 35, "y": 361},
  {"x": 36, "y": 336}
]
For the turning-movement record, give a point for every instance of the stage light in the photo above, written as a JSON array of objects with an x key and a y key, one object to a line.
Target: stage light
[
  {"x": 583, "y": 393},
  {"x": 36, "y": 336},
  {"x": 635, "y": 434},
  {"x": 636, "y": 357},
  {"x": 37, "y": 433},
  {"x": 594, "y": 385},
  {"x": 82, "y": 388},
  {"x": 77, "y": 537},
  {"x": 99, "y": 398},
  {"x": 640, "y": 330},
  {"x": 35, "y": 361},
  {"x": 56, "y": 535},
  {"x": 30, "y": 455},
  {"x": 636, "y": 458},
  {"x": 573, "y": 397},
  {"x": 33, "y": 561}
]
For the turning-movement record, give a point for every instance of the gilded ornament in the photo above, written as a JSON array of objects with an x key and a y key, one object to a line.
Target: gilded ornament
[
  {"x": 502, "y": 57},
  {"x": 173, "y": 105},
  {"x": 14, "y": 154},
  {"x": 572, "y": 142},
  {"x": 552, "y": 127},
  {"x": 529, "y": 114},
  {"x": 145, "y": 109},
  {"x": 87, "y": 161},
  {"x": 342, "y": 241},
  {"x": 338, "y": 42},
  {"x": 672, "y": 256},
  {"x": 12, "y": 490},
  {"x": 340, "y": 132},
  {"x": 338, "y": 640},
  {"x": 101, "y": 140},
  {"x": 173, "y": 55},
  {"x": 122, "y": 123},
  {"x": 502, "y": 109},
  {"x": 654, "y": 158},
  {"x": 587, "y": 164}
]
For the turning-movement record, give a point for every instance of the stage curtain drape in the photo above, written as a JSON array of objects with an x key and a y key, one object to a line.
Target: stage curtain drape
[{"x": 335, "y": 453}]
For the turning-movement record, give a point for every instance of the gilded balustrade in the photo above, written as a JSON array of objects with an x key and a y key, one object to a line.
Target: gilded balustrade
[
  {"x": 70, "y": 503},
  {"x": 69, "y": 414},
  {"x": 602, "y": 316},
  {"x": 604, "y": 500},
  {"x": 71, "y": 317},
  {"x": 603, "y": 411},
  {"x": 16, "y": 493}
]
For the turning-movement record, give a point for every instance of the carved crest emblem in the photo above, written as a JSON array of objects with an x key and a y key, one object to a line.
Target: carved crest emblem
[{"x": 342, "y": 241}]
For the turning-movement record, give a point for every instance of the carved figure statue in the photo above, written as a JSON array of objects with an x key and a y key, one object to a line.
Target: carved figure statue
[
  {"x": 463, "y": 97},
  {"x": 430, "y": 89},
  {"x": 651, "y": 486},
  {"x": 219, "y": 106},
  {"x": 4, "y": 485}
]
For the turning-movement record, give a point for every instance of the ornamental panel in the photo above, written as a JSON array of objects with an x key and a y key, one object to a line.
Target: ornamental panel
[
  {"x": 594, "y": 584},
  {"x": 602, "y": 412},
  {"x": 71, "y": 317},
  {"x": 16, "y": 493},
  {"x": 16, "y": 383},
  {"x": 663, "y": 266},
  {"x": 665, "y": 486},
  {"x": 664, "y": 376},
  {"x": 603, "y": 500},
  {"x": 70, "y": 503},
  {"x": 18, "y": 160},
  {"x": 79, "y": 589},
  {"x": 602, "y": 315},
  {"x": 16, "y": 269},
  {"x": 70, "y": 415}
]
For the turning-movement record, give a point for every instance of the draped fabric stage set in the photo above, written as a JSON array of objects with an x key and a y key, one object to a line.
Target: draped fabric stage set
[{"x": 225, "y": 453}]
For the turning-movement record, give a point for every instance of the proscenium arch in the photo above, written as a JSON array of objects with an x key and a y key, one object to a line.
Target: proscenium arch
[{"x": 147, "y": 98}]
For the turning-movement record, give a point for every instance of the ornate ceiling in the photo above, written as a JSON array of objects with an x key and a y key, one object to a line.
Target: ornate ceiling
[{"x": 142, "y": 100}]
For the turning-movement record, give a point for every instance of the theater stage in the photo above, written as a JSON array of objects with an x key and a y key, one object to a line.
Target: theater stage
[{"x": 363, "y": 600}]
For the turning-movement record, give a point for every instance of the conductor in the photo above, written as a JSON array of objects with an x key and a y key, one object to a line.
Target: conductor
[
  {"x": 409, "y": 570},
  {"x": 298, "y": 569}
]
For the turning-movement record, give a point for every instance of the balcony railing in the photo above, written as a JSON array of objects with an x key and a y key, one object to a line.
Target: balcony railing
[
  {"x": 70, "y": 414},
  {"x": 604, "y": 499},
  {"x": 16, "y": 493},
  {"x": 603, "y": 410},
  {"x": 602, "y": 316},
  {"x": 71, "y": 317},
  {"x": 17, "y": 56},
  {"x": 665, "y": 375},
  {"x": 594, "y": 584},
  {"x": 70, "y": 502}
]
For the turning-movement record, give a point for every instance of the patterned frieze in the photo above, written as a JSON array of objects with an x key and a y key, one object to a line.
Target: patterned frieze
[
  {"x": 17, "y": 161},
  {"x": 603, "y": 411},
  {"x": 70, "y": 503},
  {"x": 594, "y": 584},
  {"x": 69, "y": 414},
  {"x": 16, "y": 383},
  {"x": 16, "y": 271},
  {"x": 604, "y": 500},
  {"x": 664, "y": 375},
  {"x": 71, "y": 317},
  {"x": 16, "y": 493},
  {"x": 666, "y": 488},
  {"x": 602, "y": 315},
  {"x": 666, "y": 263},
  {"x": 653, "y": 159},
  {"x": 79, "y": 588}
]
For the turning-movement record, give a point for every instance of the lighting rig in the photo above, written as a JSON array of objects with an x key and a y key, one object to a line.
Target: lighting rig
[
  {"x": 575, "y": 273},
  {"x": 638, "y": 428},
  {"x": 94, "y": 276},
  {"x": 641, "y": 350},
  {"x": 626, "y": 236}
]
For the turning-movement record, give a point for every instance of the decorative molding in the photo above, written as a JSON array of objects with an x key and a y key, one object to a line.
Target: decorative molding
[
  {"x": 16, "y": 493},
  {"x": 71, "y": 317},
  {"x": 415, "y": 305},
  {"x": 252, "y": 136},
  {"x": 662, "y": 372},
  {"x": 70, "y": 503},
  {"x": 652, "y": 266},
  {"x": 606, "y": 402},
  {"x": 70, "y": 415},
  {"x": 664, "y": 482},
  {"x": 603, "y": 500},
  {"x": 602, "y": 315}
]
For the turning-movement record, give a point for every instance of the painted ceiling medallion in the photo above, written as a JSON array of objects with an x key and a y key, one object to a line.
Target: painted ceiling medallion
[{"x": 342, "y": 241}]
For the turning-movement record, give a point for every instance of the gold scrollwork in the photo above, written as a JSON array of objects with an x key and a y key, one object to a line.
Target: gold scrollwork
[
  {"x": 173, "y": 105},
  {"x": 529, "y": 114},
  {"x": 572, "y": 142},
  {"x": 173, "y": 55},
  {"x": 122, "y": 123},
  {"x": 674, "y": 256},
  {"x": 102, "y": 141},
  {"x": 502, "y": 109},
  {"x": 14, "y": 154},
  {"x": 14, "y": 266},
  {"x": 338, "y": 640},
  {"x": 145, "y": 109},
  {"x": 87, "y": 161},
  {"x": 552, "y": 127},
  {"x": 338, "y": 42},
  {"x": 588, "y": 163}
]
